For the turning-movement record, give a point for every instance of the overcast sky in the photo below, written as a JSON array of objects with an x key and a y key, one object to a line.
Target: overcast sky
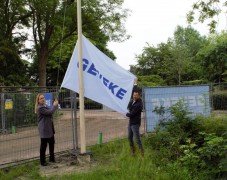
[{"x": 152, "y": 22}]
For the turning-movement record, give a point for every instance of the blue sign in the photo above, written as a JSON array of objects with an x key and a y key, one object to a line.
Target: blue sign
[
  {"x": 49, "y": 99},
  {"x": 195, "y": 97}
]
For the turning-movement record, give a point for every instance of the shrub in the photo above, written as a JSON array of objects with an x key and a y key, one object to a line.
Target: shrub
[
  {"x": 199, "y": 143},
  {"x": 216, "y": 125},
  {"x": 165, "y": 143}
]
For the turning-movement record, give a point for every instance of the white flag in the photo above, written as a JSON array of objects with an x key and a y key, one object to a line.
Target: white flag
[{"x": 104, "y": 80}]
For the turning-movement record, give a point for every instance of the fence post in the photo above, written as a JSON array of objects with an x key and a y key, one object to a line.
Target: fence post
[
  {"x": 144, "y": 111},
  {"x": 100, "y": 138},
  {"x": 74, "y": 120},
  {"x": 2, "y": 112}
]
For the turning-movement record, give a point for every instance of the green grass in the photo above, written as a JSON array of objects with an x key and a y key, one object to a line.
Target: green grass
[
  {"x": 27, "y": 171},
  {"x": 114, "y": 161}
]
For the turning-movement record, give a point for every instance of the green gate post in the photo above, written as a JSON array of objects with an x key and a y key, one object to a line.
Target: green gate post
[
  {"x": 100, "y": 138},
  {"x": 13, "y": 129}
]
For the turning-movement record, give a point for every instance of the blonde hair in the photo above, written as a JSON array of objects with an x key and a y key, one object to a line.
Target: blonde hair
[{"x": 37, "y": 102}]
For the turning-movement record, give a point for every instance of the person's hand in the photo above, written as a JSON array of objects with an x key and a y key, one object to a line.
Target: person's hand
[{"x": 55, "y": 102}]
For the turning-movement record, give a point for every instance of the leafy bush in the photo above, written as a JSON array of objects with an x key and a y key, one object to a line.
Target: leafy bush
[
  {"x": 208, "y": 158},
  {"x": 216, "y": 125},
  {"x": 181, "y": 126},
  {"x": 166, "y": 144},
  {"x": 199, "y": 143}
]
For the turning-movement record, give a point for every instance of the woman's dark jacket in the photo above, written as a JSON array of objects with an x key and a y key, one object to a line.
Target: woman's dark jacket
[{"x": 45, "y": 121}]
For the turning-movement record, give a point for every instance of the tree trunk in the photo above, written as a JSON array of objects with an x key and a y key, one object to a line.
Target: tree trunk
[{"x": 42, "y": 59}]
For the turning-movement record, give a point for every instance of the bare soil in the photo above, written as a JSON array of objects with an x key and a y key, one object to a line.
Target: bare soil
[{"x": 66, "y": 163}]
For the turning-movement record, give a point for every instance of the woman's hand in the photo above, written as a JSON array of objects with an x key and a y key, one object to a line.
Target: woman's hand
[{"x": 55, "y": 102}]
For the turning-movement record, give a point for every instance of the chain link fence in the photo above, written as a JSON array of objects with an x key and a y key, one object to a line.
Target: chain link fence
[{"x": 19, "y": 139}]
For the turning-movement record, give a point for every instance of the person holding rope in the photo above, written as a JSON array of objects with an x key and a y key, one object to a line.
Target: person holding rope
[
  {"x": 135, "y": 88},
  {"x": 134, "y": 115},
  {"x": 45, "y": 127}
]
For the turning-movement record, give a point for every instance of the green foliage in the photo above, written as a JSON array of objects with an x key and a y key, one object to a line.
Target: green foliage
[
  {"x": 174, "y": 61},
  {"x": 195, "y": 82},
  {"x": 217, "y": 125},
  {"x": 22, "y": 113},
  {"x": 207, "y": 10},
  {"x": 152, "y": 60},
  {"x": 115, "y": 162},
  {"x": 152, "y": 80},
  {"x": 199, "y": 144},
  {"x": 189, "y": 159},
  {"x": 209, "y": 158},
  {"x": 27, "y": 171},
  {"x": 166, "y": 144},
  {"x": 213, "y": 58},
  {"x": 13, "y": 69},
  {"x": 102, "y": 22},
  {"x": 188, "y": 58}
]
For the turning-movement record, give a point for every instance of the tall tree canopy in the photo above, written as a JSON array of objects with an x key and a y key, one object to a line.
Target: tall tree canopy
[
  {"x": 13, "y": 16},
  {"x": 102, "y": 21},
  {"x": 213, "y": 58},
  {"x": 174, "y": 61}
]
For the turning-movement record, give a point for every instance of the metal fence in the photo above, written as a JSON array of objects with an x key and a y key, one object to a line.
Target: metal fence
[
  {"x": 198, "y": 99},
  {"x": 19, "y": 139}
]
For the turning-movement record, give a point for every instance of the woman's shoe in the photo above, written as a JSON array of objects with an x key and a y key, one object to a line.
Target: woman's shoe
[{"x": 44, "y": 164}]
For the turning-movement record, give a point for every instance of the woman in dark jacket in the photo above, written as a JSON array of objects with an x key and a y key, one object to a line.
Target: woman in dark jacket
[{"x": 45, "y": 127}]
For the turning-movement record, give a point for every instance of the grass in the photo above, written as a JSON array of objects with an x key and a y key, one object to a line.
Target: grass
[
  {"x": 114, "y": 161},
  {"x": 27, "y": 171}
]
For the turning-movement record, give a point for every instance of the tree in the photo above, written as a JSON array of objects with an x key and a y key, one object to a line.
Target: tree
[
  {"x": 153, "y": 60},
  {"x": 174, "y": 61},
  {"x": 185, "y": 45},
  {"x": 213, "y": 58},
  {"x": 102, "y": 21},
  {"x": 14, "y": 15},
  {"x": 207, "y": 10},
  {"x": 150, "y": 80}
]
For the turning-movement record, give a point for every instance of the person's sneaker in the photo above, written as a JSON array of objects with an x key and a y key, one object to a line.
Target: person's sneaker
[{"x": 52, "y": 161}]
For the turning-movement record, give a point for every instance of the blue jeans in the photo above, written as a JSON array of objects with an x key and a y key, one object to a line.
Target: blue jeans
[{"x": 133, "y": 130}]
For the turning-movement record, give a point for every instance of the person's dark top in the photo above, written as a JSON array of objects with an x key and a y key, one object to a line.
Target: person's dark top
[
  {"x": 134, "y": 89},
  {"x": 135, "y": 112},
  {"x": 45, "y": 121}
]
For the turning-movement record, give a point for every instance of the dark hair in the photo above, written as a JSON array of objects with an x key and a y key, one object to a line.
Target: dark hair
[{"x": 137, "y": 92}]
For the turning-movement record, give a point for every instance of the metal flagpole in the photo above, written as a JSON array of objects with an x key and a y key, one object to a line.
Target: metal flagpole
[{"x": 81, "y": 81}]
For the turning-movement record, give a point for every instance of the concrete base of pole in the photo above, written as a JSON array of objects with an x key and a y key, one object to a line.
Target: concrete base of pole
[{"x": 82, "y": 158}]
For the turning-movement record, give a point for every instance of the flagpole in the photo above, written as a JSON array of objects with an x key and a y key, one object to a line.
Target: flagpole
[{"x": 81, "y": 81}]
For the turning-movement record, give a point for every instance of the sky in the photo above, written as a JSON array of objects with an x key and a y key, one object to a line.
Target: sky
[{"x": 153, "y": 22}]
